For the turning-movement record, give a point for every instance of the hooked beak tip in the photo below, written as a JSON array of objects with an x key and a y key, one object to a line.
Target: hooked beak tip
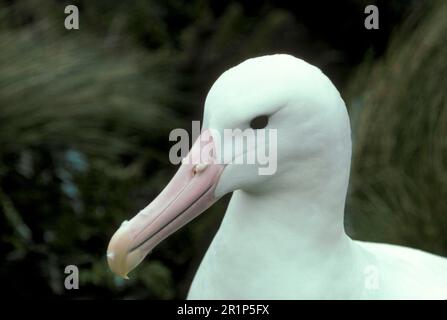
[
  {"x": 116, "y": 272},
  {"x": 119, "y": 259}
]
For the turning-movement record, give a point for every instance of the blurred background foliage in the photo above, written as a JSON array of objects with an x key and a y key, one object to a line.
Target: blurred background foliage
[
  {"x": 85, "y": 117},
  {"x": 399, "y": 110}
]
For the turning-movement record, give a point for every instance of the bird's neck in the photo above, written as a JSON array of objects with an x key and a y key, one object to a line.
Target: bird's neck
[
  {"x": 291, "y": 242},
  {"x": 307, "y": 224},
  {"x": 286, "y": 243}
]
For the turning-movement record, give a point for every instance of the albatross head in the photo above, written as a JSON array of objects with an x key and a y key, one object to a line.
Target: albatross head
[{"x": 312, "y": 149}]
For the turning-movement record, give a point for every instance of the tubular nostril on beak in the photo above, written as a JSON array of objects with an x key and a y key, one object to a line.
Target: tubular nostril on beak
[{"x": 199, "y": 167}]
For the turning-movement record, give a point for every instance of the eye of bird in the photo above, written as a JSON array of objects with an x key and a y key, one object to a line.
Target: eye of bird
[{"x": 259, "y": 122}]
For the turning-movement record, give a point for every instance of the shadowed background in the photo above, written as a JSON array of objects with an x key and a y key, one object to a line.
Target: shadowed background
[{"x": 85, "y": 117}]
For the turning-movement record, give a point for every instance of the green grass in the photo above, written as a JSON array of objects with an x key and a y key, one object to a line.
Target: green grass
[
  {"x": 398, "y": 107},
  {"x": 81, "y": 126}
]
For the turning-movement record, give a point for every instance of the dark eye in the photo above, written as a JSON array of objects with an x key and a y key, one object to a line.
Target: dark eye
[{"x": 260, "y": 122}]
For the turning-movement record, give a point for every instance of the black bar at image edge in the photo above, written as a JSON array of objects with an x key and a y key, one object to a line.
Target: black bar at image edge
[{"x": 228, "y": 309}]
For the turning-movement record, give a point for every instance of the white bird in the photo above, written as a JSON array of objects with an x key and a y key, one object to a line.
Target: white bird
[{"x": 282, "y": 236}]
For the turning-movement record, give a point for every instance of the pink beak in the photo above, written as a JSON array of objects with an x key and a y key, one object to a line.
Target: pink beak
[{"x": 189, "y": 193}]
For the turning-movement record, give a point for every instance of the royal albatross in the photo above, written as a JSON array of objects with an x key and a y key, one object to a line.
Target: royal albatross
[{"x": 282, "y": 236}]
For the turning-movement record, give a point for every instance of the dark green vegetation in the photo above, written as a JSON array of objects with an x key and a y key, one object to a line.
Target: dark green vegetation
[
  {"x": 399, "y": 110},
  {"x": 85, "y": 117}
]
